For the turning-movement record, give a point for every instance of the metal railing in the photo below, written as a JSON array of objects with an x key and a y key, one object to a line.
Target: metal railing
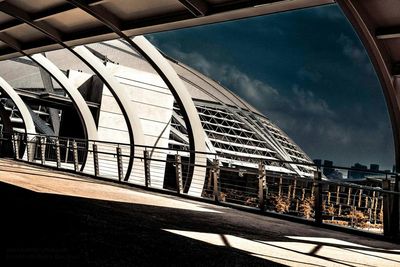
[{"x": 358, "y": 206}]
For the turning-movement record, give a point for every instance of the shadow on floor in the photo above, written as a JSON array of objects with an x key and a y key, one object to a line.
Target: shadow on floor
[
  {"x": 42, "y": 228},
  {"x": 38, "y": 228}
]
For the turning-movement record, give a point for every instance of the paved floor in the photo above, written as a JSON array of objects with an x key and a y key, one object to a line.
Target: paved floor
[{"x": 49, "y": 216}]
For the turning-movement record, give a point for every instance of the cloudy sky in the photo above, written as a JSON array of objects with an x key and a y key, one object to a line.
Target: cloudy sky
[{"x": 306, "y": 70}]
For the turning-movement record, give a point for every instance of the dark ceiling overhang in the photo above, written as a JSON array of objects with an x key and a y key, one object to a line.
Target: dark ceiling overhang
[{"x": 74, "y": 26}]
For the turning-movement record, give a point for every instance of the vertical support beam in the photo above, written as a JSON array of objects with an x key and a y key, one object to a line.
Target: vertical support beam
[
  {"x": 318, "y": 197},
  {"x": 95, "y": 160},
  {"x": 119, "y": 164},
  {"x": 261, "y": 185},
  {"x": 178, "y": 174},
  {"x": 280, "y": 187},
  {"x": 216, "y": 189},
  {"x": 147, "y": 178},
  {"x": 58, "y": 153},
  {"x": 75, "y": 155},
  {"x": 43, "y": 150}
]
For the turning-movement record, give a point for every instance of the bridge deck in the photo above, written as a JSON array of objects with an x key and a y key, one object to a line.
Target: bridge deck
[{"x": 70, "y": 219}]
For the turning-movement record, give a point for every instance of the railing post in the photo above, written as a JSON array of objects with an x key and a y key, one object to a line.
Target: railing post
[
  {"x": 294, "y": 187},
  {"x": 119, "y": 164},
  {"x": 75, "y": 155},
  {"x": 328, "y": 198},
  {"x": 16, "y": 145},
  {"x": 58, "y": 154},
  {"x": 349, "y": 197},
  {"x": 28, "y": 149},
  {"x": 360, "y": 197},
  {"x": 373, "y": 197},
  {"x": 42, "y": 150},
  {"x": 388, "y": 223},
  {"x": 337, "y": 194},
  {"x": 95, "y": 160},
  {"x": 66, "y": 151},
  {"x": 261, "y": 185},
  {"x": 210, "y": 174},
  {"x": 216, "y": 171},
  {"x": 147, "y": 178},
  {"x": 178, "y": 173},
  {"x": 396, "y": 209},
  {"x": 318, "y": 197},
  {"x": 289, "y": 192}
]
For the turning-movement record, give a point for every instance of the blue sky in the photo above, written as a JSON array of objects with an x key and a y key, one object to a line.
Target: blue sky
[{"x": 306, "y": 70}]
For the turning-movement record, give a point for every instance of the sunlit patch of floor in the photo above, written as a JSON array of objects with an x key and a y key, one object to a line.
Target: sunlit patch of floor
[
  {"x": 53, "y": 182},
  {"x": 305, "y": 251}
]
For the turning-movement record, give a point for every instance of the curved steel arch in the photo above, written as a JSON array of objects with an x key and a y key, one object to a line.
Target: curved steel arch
[
  {"x": 76, "y": 97},
  {"x": 23, "y": 110},
  {"x": 90, "y": 128},
  {"x": 53, "y": 34},
  {"x": 135, "y": 130},
  {"x": 381, "y": 61},
  {"x": 175, "y": 84},
  {"x": 27, "y": 119},
  {"x": 197, "y": 141}
]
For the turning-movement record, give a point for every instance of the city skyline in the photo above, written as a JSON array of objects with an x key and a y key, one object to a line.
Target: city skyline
[{"x": 306, "y": 70}]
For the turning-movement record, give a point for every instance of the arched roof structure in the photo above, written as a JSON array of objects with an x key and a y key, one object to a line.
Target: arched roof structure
[
  {"x": 376, "y": 21},
  {"x": 39, "y": 26}
]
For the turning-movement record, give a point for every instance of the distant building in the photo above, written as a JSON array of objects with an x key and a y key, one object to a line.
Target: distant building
[
  {"x": 374, "y": 167},
  {"x": 359, "y": 171}
]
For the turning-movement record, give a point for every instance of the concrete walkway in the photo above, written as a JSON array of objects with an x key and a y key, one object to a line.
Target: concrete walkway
[{"x": 49, "y": 216}]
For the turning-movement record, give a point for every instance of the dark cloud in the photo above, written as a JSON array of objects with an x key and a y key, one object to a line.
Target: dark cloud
[{"x": 305, "y": 70}]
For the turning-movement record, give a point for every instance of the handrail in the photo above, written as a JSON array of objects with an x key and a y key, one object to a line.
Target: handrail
[
  {"x": 266, "y": 189},
  {"x": 311, "y": 164}
]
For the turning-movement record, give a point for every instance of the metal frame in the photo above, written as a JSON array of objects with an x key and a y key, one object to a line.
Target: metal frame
[
  {"x": 76, "y": 97},
  {"x": 193, "y": 12},
  {"x": 79, "y": 102},
  {"x": 174, "y": 83},
  {"x": 20, "y": 104},
  {"x": 388, "y": 76},
  {"x": 134, "y": 126}
]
